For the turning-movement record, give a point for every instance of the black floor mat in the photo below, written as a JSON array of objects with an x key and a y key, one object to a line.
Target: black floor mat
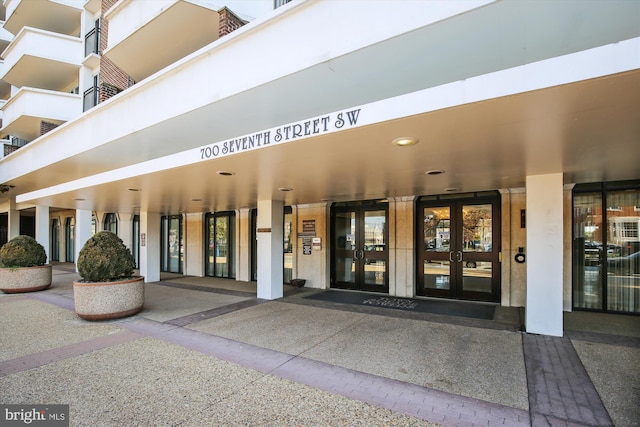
[{"x": 448, "y": 308}]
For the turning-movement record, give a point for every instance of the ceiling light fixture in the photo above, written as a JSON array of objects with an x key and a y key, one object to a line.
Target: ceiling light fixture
[
  {"x": 451, "y": 189},
  {"x": 285, "y": 189},
  {"x": 225, "y": 173},
  {"x": 133, "y": 189},
  {"x": 406, "y": 141},
  {"x": 434, "y": 172}
]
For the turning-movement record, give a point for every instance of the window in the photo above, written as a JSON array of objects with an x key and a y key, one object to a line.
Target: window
[
  {"x": 606, "y": 247},
  {"x": 111, "y": 223}
]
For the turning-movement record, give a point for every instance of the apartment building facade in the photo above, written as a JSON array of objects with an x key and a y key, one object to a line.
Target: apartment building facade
[{"x": 480, "y": 150}]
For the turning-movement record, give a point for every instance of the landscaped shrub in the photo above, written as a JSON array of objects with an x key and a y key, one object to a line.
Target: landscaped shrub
[
  {"x": 22, "y": 251},
  {"x": 105, "y": 258}
]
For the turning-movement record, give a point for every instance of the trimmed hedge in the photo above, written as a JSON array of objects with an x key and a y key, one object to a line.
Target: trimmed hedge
[
  {"x": 22, "y": 251},
  {"x": 105, "y": 258}
]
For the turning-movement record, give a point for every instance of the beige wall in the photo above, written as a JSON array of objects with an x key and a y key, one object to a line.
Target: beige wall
[{"x": 313, "y": 268}]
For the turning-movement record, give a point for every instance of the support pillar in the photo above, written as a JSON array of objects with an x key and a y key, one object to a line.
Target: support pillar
[
  {"x": 13, "y": 220},
  {"x": 42, "y": 229},
  {"x": 544, "y": 254},
  {"x": 243, "y": 264},
  {"x": 83, "y": 231},
  {"x": 270, "y": 249},
  {"x": 150, "y": 246}
]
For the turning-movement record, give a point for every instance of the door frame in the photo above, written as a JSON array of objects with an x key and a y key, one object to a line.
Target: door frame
[
  {"x": 456, "y": 255},
  {"x": 361, "y": 207}
]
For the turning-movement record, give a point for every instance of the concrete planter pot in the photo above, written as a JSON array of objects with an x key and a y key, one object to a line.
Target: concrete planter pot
[
  {"x": 108, "y": 300},
  {"x": 25, "y": 279}
]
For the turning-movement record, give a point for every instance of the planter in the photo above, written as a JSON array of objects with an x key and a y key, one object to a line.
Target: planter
[
  {"x": 25, "y": 279},
  {"x": 108, "y": 300}
]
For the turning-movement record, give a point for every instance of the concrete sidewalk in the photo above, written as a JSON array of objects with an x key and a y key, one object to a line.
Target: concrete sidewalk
[{"x": 207, "y": 352}]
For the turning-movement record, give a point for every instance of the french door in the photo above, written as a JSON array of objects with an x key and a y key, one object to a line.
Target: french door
[
  {"x": 459, "y": 248},
  {"x": 360, "y": 255}
]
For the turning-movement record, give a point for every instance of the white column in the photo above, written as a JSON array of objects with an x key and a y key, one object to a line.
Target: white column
[
  {"x": 270, "y": 249},
  {"x": 150, "y": 246},
  {"x": 194, "y": 244},
  {"x": 125, "y": 229},
  {"x": 42, "y": 228},
  {"x": 243, "y": 245},
  {"x": 82, "y": 231},
  {"x": 13, "y": 220},
  {"x": 544, "y": 254}
]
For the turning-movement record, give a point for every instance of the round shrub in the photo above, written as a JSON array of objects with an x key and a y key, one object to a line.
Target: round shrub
[
  {"x": 22, "y": 251},
  {"x": 105, "y": 258}
]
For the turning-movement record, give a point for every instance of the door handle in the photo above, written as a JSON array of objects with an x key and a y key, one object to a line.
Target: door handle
[
  {"x": 451, "y": 257},
  {"x": 459, "y": 256}
]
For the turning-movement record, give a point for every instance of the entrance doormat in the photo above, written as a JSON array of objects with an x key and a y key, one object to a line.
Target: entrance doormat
[{"x": 447, "y": 308}]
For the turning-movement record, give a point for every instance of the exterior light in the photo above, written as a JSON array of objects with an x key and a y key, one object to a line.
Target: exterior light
[
  {"x": 225, "y": 173},
  {"x": 405, "y": 141},
  {"x": 434, "y": 172},
  {"x": 285, "y": 189}
]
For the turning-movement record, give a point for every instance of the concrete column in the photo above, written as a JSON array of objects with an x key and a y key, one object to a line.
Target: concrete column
[
  {"x": 13, "y": 220},
  {"x": 83, "y": 231},
  {"x": 150, "y": 246},
  {"x": 401, "y": 223},
  {"x": 544, "y": 254},
  {"x": 271, "y": 249},
  {"x": 42, "y": 228},
  {"x": 125, "y": 229},
  {"x": 243, "y": 245},
  {"x": 194, "y": 245}
]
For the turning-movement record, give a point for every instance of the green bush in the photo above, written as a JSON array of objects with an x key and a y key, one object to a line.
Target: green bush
[
  {"x": 22, "y": 251},
  {"x": 105, "y": 258}
]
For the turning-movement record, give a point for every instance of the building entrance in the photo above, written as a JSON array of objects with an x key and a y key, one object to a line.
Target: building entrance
[
  {"x": 360, "y": 254},
  {"x": 458, "y": 247}
]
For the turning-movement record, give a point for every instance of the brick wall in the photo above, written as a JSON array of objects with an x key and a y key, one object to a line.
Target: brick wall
[
  {"x": 112, "y": 79},
  {"x": 46, "y": 127},
  {"x": 228, "y": 22}
]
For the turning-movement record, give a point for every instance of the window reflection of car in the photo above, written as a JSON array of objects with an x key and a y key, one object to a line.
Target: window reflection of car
[{"x": 624, "y": 265}]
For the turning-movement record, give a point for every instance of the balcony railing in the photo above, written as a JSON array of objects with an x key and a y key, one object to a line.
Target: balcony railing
[
  {"x": 90, "y": 98},
  {"x": 92, "y": 42}
]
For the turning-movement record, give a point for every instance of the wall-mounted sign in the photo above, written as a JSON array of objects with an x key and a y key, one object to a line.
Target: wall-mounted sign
[
  {"x": 281, "y": 134},
  {"x": 308, "y": 228}
]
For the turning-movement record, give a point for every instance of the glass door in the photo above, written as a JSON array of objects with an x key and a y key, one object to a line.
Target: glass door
[
  {"x": 359, "y": 247},
  {"x": 221, "y": 247},
  {"x": 54, "y": 250},
  {"x": 172, "y": 244},
  {"x": 457, "y": 257},
  {"x": 69, "y": 237}
]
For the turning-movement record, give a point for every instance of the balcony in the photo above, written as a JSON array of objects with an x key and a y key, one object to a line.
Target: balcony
[
  {"x": 5, "y": 88},
  {"x": 60, "y": 16},
  {"x": 146, "y": 36},
  {"x": 38, "y": 58},
  {"x": 25, "y": 110},
  {"x": 5, "y": 37}
]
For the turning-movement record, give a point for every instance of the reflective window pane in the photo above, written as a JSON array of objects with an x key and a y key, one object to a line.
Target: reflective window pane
[
  {"x": 477, "y": 232},
  {"x": 437, "y": 229},
  {"x": 587, "y": 250},
  {"x": 436, "y": 274}
]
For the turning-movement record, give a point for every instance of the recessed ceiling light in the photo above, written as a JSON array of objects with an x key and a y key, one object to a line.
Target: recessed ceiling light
[
  {"x": 285, "y": 189},
  {"x": 406, "y": 141},
  {"x": 133, "y": 189},
  {"x": 79, "y": 199},
  {"x": 451, "y": 189},
  {"x": 196, "y": 200},
  {"x": 225, "y": 173},
  {"x": 434, "y": 172}
]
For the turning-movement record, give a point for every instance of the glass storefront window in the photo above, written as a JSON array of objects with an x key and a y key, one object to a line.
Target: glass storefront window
[{"x": 606, "y": 249}]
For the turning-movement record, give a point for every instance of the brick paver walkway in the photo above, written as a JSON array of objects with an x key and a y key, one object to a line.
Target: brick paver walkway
[{"x": 560, "y": 390}]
